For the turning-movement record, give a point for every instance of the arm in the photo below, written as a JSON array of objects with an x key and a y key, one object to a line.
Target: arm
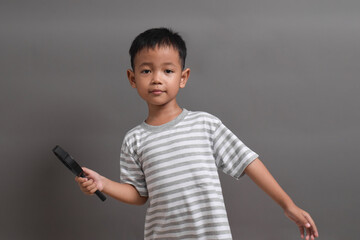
[
  {"x": 120, "y": 191},
  {"x": 263, "y": 178}
]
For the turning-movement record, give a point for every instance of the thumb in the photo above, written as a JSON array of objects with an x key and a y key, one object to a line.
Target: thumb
[
  {"x": 98, "y": 179},
  {"x": 91, "y": 174},
  {"x": 307, "y": 224},
  {"x": 303, "y": 221},
  {"x": 88, "y": 172},
  {"x": 298, "y": 216}
]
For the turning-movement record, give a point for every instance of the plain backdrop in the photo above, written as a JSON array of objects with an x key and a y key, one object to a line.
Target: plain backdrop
[{"x": 281, "y": 74}]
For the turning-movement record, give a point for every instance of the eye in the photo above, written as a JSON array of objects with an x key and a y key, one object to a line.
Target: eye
[
  {"x": 169, "y": 71},
  {"x": 146, "y": 71}
]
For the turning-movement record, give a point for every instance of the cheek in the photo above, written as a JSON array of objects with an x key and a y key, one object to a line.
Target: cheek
[
  {"x": 141, "y": 82},
  {"x": 141, "y": 88},
  {"x": 142, "y": 93},
  {"x": 174, "y": 89}
]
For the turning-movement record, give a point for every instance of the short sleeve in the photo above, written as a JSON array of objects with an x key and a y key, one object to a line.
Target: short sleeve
[
  {"x": 232, "y": 156},
  {"x": 131, "y": 171}
]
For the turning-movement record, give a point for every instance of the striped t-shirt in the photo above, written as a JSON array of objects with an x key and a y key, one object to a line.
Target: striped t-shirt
[{"x": 175, "y": 165}]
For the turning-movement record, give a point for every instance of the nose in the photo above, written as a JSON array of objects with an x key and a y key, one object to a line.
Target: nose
[{"x": 156, "y": 78}]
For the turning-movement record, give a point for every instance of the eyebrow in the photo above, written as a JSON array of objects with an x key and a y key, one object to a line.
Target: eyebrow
[
  {"x": 169, "y": 63},
  {"x": 150, "y": 64},
  {"x": 145, "y": 63}
]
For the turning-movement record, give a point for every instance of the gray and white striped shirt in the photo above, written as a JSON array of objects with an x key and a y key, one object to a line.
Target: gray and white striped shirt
[{"x": 176, "y": 165}]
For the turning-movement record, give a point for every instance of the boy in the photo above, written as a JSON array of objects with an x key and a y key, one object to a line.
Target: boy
[{"x": 172, "y": 158}]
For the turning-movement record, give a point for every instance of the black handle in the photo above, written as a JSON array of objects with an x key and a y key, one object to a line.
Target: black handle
[
  {"x": 73, "y": 166},
  {"x": 100, "y": 195}
]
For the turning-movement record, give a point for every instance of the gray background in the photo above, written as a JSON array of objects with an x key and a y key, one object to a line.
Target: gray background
[{"x": 282, "y": 74}]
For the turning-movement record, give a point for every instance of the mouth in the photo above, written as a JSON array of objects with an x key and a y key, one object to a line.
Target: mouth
[{"x": 156, "y": 91}]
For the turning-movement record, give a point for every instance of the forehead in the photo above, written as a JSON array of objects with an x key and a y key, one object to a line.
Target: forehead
[{"x": 158, "y": 55}]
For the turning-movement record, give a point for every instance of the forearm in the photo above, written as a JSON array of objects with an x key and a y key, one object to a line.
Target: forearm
[
  {"x": 263, "y": 178},
  {"x": 123, "y": 192}
]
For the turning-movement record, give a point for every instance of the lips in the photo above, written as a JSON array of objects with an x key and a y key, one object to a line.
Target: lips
[{"x": 156, "y": 91}]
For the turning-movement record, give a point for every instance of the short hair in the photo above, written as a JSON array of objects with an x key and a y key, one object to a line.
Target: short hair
[{"x": 158, "y": 37}]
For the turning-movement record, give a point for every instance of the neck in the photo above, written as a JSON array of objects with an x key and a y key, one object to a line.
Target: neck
[{"x": 159, "y": 115}]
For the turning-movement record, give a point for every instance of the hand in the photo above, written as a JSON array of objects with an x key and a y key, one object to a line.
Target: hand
[
  {"x": 303, "y": 220},
  {"x": 91, "y": 183}
]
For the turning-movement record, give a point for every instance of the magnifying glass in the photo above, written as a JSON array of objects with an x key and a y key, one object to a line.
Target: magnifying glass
[{"x": 74, "y": 167}]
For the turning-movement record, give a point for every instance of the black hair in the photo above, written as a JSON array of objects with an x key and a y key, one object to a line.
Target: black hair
[{"x": 158, "y": 37}]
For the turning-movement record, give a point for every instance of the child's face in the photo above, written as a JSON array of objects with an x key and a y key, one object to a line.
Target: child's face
[{"x": 158, "y": 75}]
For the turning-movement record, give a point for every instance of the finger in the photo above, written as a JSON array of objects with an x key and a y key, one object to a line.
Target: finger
[
  {"x": 305, "y": 221},
  {"x": 87, "y": 183},
  {"x": 301, "y": 232},
  {"x": 79, "y": 179},
  {"x": 305, "y": 226},
  {"x": 87, "y": 171},
  {"x": 312, "y": 234},
  {"x": 313, "y": 225},
  {"x": 87, "y": 188},
  {"x": 92, "y": 188},
  {"x": 308, "y": 233}
]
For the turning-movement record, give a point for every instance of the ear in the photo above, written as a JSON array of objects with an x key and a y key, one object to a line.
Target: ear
[
  {"x": 184, "y": 77},
  {"x": 131, "y": 77}
]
